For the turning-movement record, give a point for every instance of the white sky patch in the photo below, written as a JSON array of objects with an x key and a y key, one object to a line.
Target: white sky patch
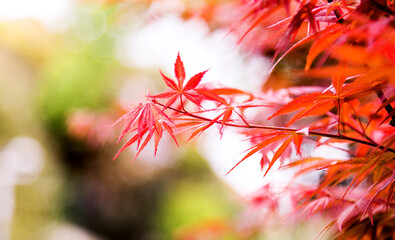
[
  {"x": 55, "y": 14},
  {"x": 223, "y": 154},
  {"x": 330, "y": 152},
  {"x": 155, "y": 46},
  {"x": 21, "y": 161}
]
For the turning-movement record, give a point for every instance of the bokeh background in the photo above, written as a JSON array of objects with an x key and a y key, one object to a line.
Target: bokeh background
[{"x": 68, "y": 70}]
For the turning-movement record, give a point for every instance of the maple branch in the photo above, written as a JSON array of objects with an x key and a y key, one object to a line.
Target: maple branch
[
  {"x": 374, "y": 232},
  {"x": 255, "y": 126},
  {"x": 362, "y": 133},
  {"x": 337, "y": 14},
  {"x": 388, "y": 107}
]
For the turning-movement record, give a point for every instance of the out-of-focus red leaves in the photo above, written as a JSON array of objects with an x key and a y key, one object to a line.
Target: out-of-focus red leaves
[{"x": 92, "y": 127}]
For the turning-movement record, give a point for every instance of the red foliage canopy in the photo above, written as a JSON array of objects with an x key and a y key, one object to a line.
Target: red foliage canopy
[{"x": 352, "y": 53}]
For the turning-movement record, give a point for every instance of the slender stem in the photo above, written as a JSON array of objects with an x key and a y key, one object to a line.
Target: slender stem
[
  {"x": 374, "y": 232},
  {"x": 339, "y": 117},
  {"x": 182, "y": 104},
  {"x": 255, "y": 126},
  {"x": 388, "y": 107},
  {"x": 362, "y": 133},
  {"x": 337, "y": 14}
]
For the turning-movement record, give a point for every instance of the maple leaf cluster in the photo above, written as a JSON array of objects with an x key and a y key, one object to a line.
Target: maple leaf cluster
[{"x": 352, "y": 57}]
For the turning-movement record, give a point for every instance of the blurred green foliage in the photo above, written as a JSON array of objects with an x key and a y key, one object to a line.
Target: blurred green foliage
[
  {"x": 191, "y": 202},
  {"x": 193, "y": 197},
  {"x": 80, "y": 76}
]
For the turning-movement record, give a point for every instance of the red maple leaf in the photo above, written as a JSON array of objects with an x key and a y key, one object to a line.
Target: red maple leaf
[
  {"x": 144, "y": 120},
  {"x": 177, "y": 90}
]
